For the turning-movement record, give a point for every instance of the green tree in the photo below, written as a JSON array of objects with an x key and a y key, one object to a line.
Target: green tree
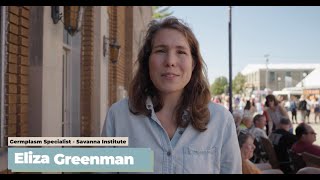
[
  {"x": 160, "y": 12},
  {"x": 219, "y": 85},
  {"x": 238, "y": 83}
]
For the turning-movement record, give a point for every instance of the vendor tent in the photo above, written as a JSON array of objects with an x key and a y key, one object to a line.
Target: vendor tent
[{"x": 312, "y": 81}]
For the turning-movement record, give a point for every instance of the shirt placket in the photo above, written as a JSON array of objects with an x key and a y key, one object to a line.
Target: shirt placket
[{"x": 168, "y": 166}]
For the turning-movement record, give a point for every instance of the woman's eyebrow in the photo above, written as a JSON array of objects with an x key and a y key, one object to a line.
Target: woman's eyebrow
[
  {"x": 165, "y": 46},
  {"x": 181, "y": 47},
  {"x": 160, "y": 46}
]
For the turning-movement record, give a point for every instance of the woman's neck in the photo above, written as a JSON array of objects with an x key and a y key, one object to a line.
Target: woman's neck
[
  {"x": 167, "y": 115},
  {"x": 273, "y": 108},
  {"x": 244, "y": 156},
  {"x": 170, "y": 101}
]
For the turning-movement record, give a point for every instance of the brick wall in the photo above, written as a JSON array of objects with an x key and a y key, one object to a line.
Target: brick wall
[
  {"x": 112, "y": 82},
  {"x": 129, "y": 45},
  {"x": 16, "y": 102},
  {"x": 121, "y": 29},
  {"x": 120, "y": 25},
  {"x": 86, "y": 72},
  {"x": 127, "y": 25}
]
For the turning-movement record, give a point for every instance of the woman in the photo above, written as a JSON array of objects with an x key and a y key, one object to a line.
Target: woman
[
  {"x": 246, "y": 123},
  {"x": 246, "y": 143},
  {"x": 253, "y": 108},
  {"x": 247, "y": 109},
  {"x": 275, "y": 112},
  {"x": 250, "y": 108},
  {"x": 169, "y": 108}
]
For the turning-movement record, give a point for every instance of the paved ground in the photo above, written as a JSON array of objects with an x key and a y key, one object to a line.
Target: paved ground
[{"x": 315, "y": 126}]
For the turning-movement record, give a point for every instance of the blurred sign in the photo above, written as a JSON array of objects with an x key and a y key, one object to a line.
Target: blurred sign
[{"x": 311, "y": 91}]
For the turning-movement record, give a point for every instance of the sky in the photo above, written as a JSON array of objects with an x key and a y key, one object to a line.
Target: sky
[{"x": 288, "y": 34}]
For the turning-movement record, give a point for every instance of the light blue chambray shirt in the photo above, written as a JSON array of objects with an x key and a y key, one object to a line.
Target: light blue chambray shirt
[{"x": 213, "y": 151}]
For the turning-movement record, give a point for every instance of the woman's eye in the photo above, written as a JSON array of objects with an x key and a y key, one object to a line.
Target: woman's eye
[
  {"x": 160, "y": 51},
  {"x": 182, "y": 52}
]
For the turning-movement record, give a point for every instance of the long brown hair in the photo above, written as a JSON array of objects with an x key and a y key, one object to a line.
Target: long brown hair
[
  {"x": 269, "y": 98},
  {"x": 196, "y": 94}
]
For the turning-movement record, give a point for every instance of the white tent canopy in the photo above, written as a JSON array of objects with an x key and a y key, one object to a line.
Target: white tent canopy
[
  {"x": 289, "y": 91},
  {"x": 312, "y": 81}
]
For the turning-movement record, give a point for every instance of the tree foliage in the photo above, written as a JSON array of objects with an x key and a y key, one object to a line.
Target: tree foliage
[
  {"x": 238, "y": 83},
  {"x": 160, "y": 12},
  {"x": 219, "y": 86}
]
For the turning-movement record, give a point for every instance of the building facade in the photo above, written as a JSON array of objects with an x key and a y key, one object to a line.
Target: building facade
[
  {"x": 275, "y": 76},
  {"x": 57, "y": 84}
]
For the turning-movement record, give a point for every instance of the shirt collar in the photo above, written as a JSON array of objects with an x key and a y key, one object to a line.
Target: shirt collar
[{"x": 149, "y": 106}]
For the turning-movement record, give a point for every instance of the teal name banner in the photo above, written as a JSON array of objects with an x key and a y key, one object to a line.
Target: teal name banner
[{"x": 80, "y": 159}]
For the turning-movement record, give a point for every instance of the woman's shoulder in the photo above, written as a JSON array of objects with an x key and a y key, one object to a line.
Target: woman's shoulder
[
  {"x": 219, "y": 112},
  {"x": 279, "y": 107},
  {"x": 215, "y": 107},
  {"x": 120, "y": 105}
]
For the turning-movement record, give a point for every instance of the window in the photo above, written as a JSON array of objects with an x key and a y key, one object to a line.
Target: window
[
  {"x": 66, "y": 122},
  {"x": 288, "y": 74},
  {"x": 272, "y": 76},
  {"x": 71, "y": 85},
  {"x": 66, "y": 37}
]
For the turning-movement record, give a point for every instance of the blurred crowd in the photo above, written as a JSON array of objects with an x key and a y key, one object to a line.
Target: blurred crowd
[{"x": 265, "y": 132}]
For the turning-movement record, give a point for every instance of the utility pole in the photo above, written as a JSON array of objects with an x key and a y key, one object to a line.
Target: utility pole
[
  {"x": 267, "y": 70},
  {"x": 230, "y": 61}
]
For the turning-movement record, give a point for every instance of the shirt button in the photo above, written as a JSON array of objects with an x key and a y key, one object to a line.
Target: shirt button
[
  {"x": 169, "y": 153},
  {"x": 180, "y": 132}
]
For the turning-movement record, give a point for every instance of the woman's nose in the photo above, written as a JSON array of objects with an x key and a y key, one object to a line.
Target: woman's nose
[{"x": 170, "y": 59}]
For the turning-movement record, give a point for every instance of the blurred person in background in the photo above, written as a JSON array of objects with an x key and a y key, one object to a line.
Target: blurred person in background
[
  {"x": 317, "y": 110},
  {"x": 217, "y": 100},
  {"x": 237, "y": 116},
  {"x": 242, "y": 103},
  {"x": 260, "y": 122},
  {"x": 259, "y": 106},
  {"x": 282, "y": 141},
  {"x": 293, "y": 109},
  {"x": 308, "y": 109},
  {"x": 249, "y": 108},
  {"x": 275, "y": 112},
  {"x": 246, "y": 122},
  {"x": 306, "y": 137},
  {"x": 302, "y": 107},
  {"x": 247, "y": 147}
]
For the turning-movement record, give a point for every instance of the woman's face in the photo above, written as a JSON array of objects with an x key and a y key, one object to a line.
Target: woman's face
[
  {"x": 271, "y": 103},
  {"x": 247, "y": 149},
  {"x": 247, "y": 121},
  {"x": 170, "y": 62}
]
